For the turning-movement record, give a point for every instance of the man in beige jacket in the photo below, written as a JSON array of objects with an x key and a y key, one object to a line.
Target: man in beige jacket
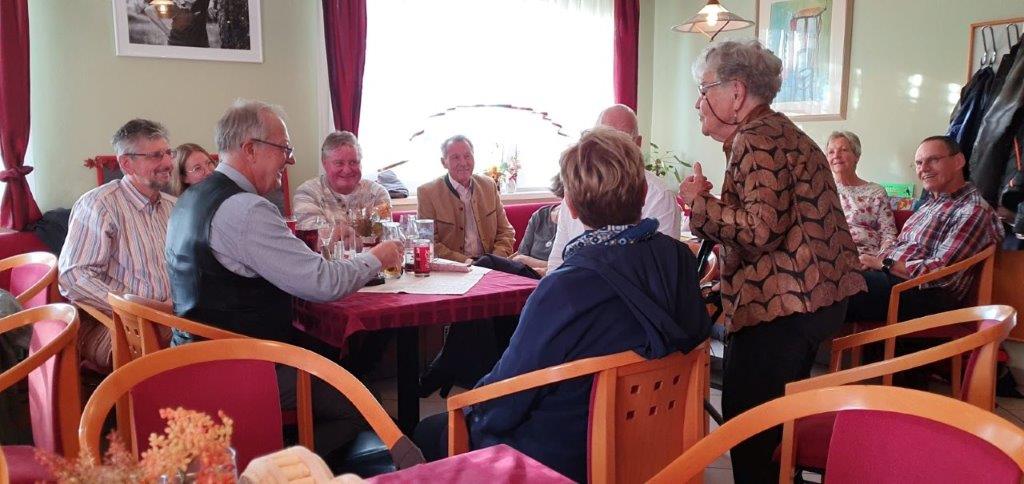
[{"x": 469, "y": 220}]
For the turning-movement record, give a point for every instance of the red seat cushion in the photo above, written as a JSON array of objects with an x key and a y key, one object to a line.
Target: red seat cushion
[
  {"x": 873, "y": 446},
  {"x": 22, "y": 465}
]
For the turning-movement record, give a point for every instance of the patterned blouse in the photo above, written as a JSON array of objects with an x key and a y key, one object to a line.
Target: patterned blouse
[
  {"x": 872, "y": 224},
  {"x": 785, "y": 245}
]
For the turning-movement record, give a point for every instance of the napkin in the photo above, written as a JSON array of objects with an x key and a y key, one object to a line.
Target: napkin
[{"x": 448, "y": 267}]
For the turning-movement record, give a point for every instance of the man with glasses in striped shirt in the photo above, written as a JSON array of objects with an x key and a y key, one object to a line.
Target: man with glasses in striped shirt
[{"x": 116, "y": 234}]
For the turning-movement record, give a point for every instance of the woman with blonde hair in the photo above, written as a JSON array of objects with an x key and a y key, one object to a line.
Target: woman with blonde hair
[{"x": 192, "y": 164}]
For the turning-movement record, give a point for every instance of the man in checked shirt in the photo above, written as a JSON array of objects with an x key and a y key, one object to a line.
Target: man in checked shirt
[{"x": 952, "y": 225}]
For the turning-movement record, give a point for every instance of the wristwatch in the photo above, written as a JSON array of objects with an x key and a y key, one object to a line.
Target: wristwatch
[{"x": 887, "y": 264}]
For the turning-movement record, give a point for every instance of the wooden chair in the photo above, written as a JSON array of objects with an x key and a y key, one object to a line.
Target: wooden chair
[
  {"x": 46, "y": 274},
  {"x": 3, "y": 470},
  {"x": 962, "y": 431},
  {"x": 981, "y": 295},
  {"x": 806, "y": 442},
  {"x": 142, "y": 326},
  {"x": 55, "y": 400},
  {"x": 642, "y": 414},
  {"x": 204, "y": 359}
]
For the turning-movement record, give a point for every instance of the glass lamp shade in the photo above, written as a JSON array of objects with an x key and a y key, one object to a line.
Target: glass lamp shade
[{"x": 711, "y": 20}]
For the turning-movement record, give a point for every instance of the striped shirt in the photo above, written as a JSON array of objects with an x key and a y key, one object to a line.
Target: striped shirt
[
  {"x": 315, "y": 198},
  {"x": 946, "y": 229},
  {"x": 115, "y": 243}
]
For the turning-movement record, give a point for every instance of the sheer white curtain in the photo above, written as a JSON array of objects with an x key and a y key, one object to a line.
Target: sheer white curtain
[{"x": 425, "y": 58}]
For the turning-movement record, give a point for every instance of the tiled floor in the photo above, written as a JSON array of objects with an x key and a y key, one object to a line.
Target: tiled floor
[{"x": 720, "y": 471}]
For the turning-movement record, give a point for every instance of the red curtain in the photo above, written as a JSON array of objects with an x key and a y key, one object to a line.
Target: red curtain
[
  {"x": 18, "y": 208},
  {"x": 345, "y": 36},
  {"x": 627, "y": 39}
]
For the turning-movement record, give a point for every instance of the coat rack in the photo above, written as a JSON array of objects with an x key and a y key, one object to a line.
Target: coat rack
[{"x": 990, "y": 41}]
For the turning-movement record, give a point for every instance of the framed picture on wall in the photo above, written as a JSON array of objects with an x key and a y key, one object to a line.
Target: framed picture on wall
[
  {"x": 812, "y": 37},
  {"x": 224, "y": 30}
]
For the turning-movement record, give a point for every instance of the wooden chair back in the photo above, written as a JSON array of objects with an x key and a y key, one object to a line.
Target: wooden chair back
[
  {"x": 643, "y": 412},
  {"x": 142, "y": 326},
  {"x": 1007, "y": 281},
  {"x": 993, "y": 324},
  {"x": 52, "y": 371},
  {"x": 306, "y": 363},
  {"x": 4, "y": 479},
  {"x": 1005, "y": 436},
  {"x": 46, "y": 282},
  {"x": 981, "y": 294}
]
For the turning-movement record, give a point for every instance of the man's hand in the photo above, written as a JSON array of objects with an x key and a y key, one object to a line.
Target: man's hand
[
  {"x": 694, "y": 185},
  {"x": 871, "y": 262},
  {"x": 389, "y": 253}
]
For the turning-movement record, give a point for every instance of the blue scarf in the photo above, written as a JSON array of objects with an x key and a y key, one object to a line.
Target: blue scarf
[{"x": 613, "y": 235}]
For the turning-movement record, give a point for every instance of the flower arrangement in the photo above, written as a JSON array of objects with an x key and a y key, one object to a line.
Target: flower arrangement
[
  {"x": 505, "y": 173},
  {"x": 661, "y": 162},
  {"x": 192, "y": 442}
]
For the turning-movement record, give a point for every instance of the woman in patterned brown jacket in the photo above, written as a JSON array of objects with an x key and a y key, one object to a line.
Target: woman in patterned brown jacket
[{"x": 789, "y": 262}]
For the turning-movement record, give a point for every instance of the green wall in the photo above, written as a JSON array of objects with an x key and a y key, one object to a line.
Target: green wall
[
  {"x": 891, "y": 42},
  {"x": 82, "y": 92}
]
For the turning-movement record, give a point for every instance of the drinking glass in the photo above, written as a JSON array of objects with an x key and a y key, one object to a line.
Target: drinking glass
[
  {"x": 421, "y": 256},
  {"x": 425, "y": 228},
  {"x": 325, "y": 229},
  {"x": 407, "y": 223},
  {"x": 390, "y": 231}
]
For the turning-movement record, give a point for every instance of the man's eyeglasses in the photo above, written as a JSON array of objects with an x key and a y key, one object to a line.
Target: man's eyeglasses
[
  {"x": 154, "y": 156},
  {"x": 208, "y": 166},
  {"x": 931, "y": 160},
  {"x": 288, "y": 150},
  {"x": 704, "y": 88}
]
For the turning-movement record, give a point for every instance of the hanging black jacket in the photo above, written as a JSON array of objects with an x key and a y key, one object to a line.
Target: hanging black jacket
[
  {"x": 970, "y": 111},
  {"x": 993, "y": 144}
]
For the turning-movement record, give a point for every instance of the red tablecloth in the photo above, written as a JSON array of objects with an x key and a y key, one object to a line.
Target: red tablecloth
[
  {"x": 497, "y": 294},
  {"x": 493, "y": 465}
]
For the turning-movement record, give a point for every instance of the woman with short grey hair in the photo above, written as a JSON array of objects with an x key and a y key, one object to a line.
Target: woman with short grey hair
[
  {"x": 865, "y": 204},
  {"x": 788, "y": 260}
]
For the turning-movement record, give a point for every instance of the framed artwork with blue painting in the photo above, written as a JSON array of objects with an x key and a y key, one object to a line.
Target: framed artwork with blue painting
[{"x": 812, "y": 37}]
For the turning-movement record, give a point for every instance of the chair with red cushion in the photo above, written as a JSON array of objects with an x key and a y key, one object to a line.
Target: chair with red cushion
[
  {"x": 238, "y": 377},
  {"x": 807, "y": 443},
  {"x": 54, "y": 395},
  {"x": 32, "y": 278},
  {"x": 949, "y": 440}
]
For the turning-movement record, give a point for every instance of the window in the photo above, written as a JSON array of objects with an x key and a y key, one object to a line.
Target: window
[{"x": 429, "y": 65}]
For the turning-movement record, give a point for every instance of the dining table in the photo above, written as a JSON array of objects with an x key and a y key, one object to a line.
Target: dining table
[
  {"x": 499, "y": 464},
  {"x": 495, "y": 294}
]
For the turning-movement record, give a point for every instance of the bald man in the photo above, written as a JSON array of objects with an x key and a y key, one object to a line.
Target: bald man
[{"x": 659, "y": 204}]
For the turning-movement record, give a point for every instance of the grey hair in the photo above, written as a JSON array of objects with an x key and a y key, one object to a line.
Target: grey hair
[
  {"x": 851, "y": 138},
  {"x": 748, "y": 62},
  {"x": 126, "y": 136},
  {"x": 242, "y": 122},
  {"x": 338, "y": 139},
  {"x": 454, "y": 139}
]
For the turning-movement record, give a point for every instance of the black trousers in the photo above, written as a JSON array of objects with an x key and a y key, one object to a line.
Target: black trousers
[
  {"x": 874, "y": 304},
  {"x": 759, "y": 361},
  {"x": 431, "y": 436}
]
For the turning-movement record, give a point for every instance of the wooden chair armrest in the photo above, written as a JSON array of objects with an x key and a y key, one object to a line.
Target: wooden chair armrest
[
  {"x": 21, "y": 370},
  {"x": 957, "y": 316},
  {"x": 898, "y": 289},
  {"x": 96, "y": 314},
  {"x": 539, "y": 378}
]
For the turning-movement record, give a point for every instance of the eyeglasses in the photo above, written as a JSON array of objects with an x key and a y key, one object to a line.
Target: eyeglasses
[
  {"x": 703, "y": 89},
  {"x": 208, "y": 166},
  {"x": 288, "y": 150},
  {"x": 154, "y": 156},
  {"x": 931, "y": 160}
]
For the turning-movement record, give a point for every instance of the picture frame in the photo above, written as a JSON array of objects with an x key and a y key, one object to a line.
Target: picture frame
[
  {"x": 812, "y": 37},
  {"x": 217, "y": 30}
]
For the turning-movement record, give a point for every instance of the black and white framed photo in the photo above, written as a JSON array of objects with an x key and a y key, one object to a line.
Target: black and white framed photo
[{"x": 224, "y": 30}]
